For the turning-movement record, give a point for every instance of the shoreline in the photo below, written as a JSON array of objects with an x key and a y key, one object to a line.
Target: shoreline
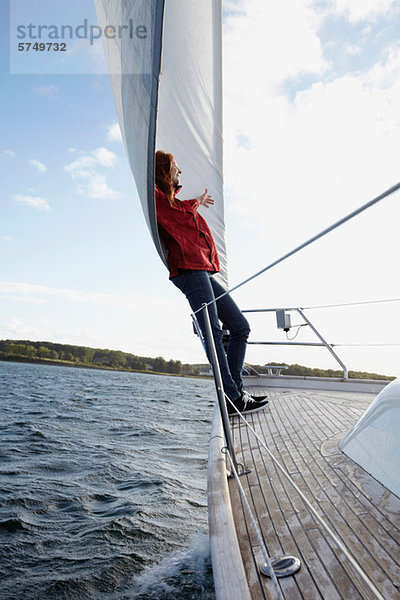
[{"x": 63, "y": 363}]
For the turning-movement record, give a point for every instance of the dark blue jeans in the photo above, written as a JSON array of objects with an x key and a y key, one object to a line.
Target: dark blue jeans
[{"x": 200, "y": 287}]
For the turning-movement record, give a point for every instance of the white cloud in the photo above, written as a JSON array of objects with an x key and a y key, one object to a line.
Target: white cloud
[
  {"x": 20, "y": 329},
  {"x": 41, "y": 294},
  {"x": 6, "y": 238},
  {"x": 84, "y": 171},
  {"x": 104, "y": 157},
  {"x": 96, "y": 187},
  {"x": 15, "y": 328},
  {"x": 336, "y": 140},
  {"x": 49, "y": 91},
  {"x": 362, "y": 10},
  {"x": 114, "y": 133},
  {"x": 353, "y": 49},
  {"x": 33, "y": 201},
  {"x": 264, "y": 51},
  {"x": 7, "y": 154},
  {"x": 99, "y": 319},
  {"x": 41, "y": 168}
]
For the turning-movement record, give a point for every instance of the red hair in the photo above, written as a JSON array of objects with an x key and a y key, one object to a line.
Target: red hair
[{"x": 163, "y": 175}]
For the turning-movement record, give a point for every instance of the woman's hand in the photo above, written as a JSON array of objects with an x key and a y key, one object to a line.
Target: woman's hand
[{"x": 205, "y": 199}]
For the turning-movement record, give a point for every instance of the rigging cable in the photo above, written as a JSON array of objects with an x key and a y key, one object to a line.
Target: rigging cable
[
  {"x": 367, "y": 345},
  {"x": 351, "y": 215},
  {"x": 351, "y": 303}
]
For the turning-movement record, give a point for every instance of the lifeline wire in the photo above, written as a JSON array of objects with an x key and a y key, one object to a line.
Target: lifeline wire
[
  {"x": 256, "y": 530},
  {"x": 367, "y": 345},
  {"x": 311, "y": 240},
  {"x": 351, "y": 303},
  {"x": 320, "y": 520}
]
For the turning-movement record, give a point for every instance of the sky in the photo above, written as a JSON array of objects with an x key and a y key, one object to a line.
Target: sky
[{"x": 311, "y": 132}]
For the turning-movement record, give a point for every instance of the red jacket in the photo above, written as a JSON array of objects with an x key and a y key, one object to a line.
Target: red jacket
[{"x": 186, "y": 235}]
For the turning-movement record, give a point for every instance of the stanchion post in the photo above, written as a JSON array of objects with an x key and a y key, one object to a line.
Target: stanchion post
[
  {"x": 213, "y": 358},
  {"x": 325, "y": 343}
]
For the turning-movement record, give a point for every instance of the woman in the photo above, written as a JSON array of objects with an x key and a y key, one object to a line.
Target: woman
[{"x": 193, "y": 260}]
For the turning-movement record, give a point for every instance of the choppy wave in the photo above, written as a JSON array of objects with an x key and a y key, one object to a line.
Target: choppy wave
[
  {"x": 102, "y": 485},
  {"x": 184, "y": 575}
]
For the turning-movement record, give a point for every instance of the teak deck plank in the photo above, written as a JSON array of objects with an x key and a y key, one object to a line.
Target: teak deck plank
[{"x": 302, "y": 430}]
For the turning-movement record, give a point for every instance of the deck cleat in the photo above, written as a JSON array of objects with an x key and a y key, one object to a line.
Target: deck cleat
[{"x": 282, "y": 566}]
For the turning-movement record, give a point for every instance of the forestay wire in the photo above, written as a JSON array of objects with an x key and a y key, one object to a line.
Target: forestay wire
[{"x": 351, "y": 215}]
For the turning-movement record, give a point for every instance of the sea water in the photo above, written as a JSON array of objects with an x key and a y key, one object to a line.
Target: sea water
[{"x": 103, "y": 485}]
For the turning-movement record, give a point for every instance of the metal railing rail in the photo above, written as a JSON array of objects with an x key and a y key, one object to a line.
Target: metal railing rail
[
  {"x": 307, "y": 321},
  {"x": 213, "y": 358}
]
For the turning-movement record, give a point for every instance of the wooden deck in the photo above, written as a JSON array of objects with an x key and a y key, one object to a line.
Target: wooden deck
[{"x": 302, "y": 429}]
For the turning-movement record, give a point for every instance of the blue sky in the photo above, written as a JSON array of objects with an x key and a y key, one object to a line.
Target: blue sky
[{"x": 312, "y": 130}]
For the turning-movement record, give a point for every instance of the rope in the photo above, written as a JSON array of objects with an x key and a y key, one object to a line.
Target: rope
[
  {"x": 256, "y": 530},
  {"x": 311, "y": 240},
  {"x": 320, "y": 520}
]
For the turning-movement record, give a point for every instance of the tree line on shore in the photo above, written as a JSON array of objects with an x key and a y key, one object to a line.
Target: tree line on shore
[
  {"x": 83, "y": 356},
  {"x": 53, "y": 353}
]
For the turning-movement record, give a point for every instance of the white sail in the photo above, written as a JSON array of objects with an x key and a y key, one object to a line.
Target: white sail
[{"x": 168, "y": 95}]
